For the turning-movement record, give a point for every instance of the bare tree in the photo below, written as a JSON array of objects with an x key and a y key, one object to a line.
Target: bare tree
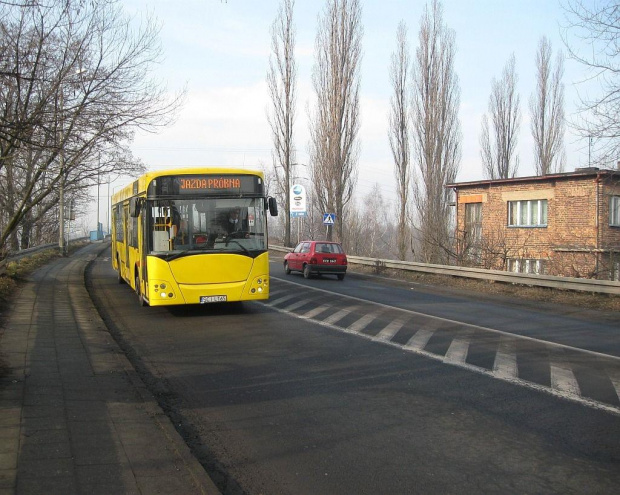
[
  {"x": 399, "y": 131},
  {"x": 76, "y": 83},
  {"x": 597, "y": 26},
  {"x": 334, "y": 147},
  {"x": 547, "y": 110},
  {"x": 498, "y": 143},
  {"x": 281, "y": 80},
  {"x": 370, "y": 230},
  {"x": 436, "y": 131}
]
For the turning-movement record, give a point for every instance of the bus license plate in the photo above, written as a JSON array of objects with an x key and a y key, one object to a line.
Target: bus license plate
[{"x": 213, "y": 299}]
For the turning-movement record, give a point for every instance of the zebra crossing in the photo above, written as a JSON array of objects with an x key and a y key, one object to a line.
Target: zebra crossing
[{"x": 579, "y": 375}]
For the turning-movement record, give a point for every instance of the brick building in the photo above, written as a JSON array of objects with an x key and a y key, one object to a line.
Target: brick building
[{"x": 564, "y": 224}]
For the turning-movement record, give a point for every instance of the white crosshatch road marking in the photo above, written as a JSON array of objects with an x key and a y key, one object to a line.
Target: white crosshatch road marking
[
  {"x": 317, "y": 311},
  {"x": 279, "y": 300},
  {"x": 364, "y": 321},
  {"x": 614, "y": 376},
  {"x": 505, "y": 365},
  {"x": 457, "y": 352},
  {"x": 420, "y": 339},
  {"x": 563, "y": 381},
  {"x": 339, "y": 315},
  {"x": 295, "y": 305},
  {"x": 391, "y": 329}
]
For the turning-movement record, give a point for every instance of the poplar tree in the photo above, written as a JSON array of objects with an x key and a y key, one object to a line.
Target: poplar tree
[
  {"x": 436, "y": 132},
  {"x": 334, "y": 148}
]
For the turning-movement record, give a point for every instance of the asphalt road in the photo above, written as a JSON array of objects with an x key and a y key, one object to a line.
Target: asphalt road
[{"x": 372, "y": 386}]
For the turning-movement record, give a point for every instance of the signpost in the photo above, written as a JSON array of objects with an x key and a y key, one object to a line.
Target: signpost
[
  {"x": 328, "y": 220},
  {"x": 298, "y": 205}
]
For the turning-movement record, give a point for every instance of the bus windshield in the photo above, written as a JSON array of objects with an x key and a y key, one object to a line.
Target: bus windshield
[{"x": 181, "y": 227}]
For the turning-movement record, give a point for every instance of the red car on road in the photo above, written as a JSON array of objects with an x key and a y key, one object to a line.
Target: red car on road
[{"x": 317, "y": 258}]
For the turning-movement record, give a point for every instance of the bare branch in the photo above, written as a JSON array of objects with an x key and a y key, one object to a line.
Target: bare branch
[
  {"x": 597, "y": 26},
  {"x": 76, "y": 82},
  {"x": 498, "y": 139}
]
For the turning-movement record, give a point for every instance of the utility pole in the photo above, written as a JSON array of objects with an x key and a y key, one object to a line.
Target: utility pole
[
  {"x": 98, "y": 169},
  {"x": 61, "y": 198}
]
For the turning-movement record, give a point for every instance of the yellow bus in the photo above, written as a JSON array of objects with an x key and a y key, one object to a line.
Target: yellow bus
[{"x": 193, "y": 236}]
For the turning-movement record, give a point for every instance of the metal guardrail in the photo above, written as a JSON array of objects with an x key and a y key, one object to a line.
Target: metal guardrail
[{"x": 563, "y": 283}]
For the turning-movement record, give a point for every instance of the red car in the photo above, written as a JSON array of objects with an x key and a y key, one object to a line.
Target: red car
[{"x": 317, "y": 258}]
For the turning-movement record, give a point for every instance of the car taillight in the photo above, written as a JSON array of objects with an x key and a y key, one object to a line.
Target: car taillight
[
  {"x": 313, "y": 261},
  {"x": 344, "y": 260}
]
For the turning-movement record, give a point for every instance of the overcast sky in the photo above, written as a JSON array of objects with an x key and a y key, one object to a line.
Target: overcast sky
[{"x": 220, "y": 51}]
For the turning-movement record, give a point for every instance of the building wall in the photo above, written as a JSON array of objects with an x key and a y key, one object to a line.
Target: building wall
[
  {"x": 577, "y": 225},
  {"x": 609, "y": 239}
]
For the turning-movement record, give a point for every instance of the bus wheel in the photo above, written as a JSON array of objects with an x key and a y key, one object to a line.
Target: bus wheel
[
  {"x": 139, "y": 292},
  {"x": 119, "y": 277}
]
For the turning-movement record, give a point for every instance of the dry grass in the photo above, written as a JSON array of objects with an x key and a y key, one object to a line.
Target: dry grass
[{"x": 17, "y": 271}]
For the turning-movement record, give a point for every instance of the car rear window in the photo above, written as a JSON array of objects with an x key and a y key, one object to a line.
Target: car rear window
[{"x": 328, "y": 248}]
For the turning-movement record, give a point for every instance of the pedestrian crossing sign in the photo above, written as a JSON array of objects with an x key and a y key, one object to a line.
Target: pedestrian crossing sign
[{"x": 329, "y": 218}]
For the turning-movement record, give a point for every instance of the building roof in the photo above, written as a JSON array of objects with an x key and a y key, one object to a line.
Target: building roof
[{"x": 579, "y": 172}]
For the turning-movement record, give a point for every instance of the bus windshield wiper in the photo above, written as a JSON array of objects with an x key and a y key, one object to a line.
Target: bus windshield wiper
[
  {"x": 230, "y": 241},
  {"x": 170, "y": 257}
]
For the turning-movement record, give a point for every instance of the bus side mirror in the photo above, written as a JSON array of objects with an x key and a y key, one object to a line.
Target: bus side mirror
[
  {"x": 273, "y": 206},
  {"x": 134, "y": 207}
]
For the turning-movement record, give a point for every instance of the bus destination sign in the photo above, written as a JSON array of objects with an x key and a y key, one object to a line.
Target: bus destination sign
[{"x": 206, "y": 185}]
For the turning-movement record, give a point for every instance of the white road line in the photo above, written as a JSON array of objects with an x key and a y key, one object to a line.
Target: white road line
[
  {"x": 364, "y": 321},
  {"x": 281, "y": 299},
  {"x": 421, "y": 338},
  {"x": 316, "y": 311},
  {"x": 339, "y": 315},
  {"x": 390, "y": 330},
  {"x": 518, "y": 381},
  {"x": 457, "y": 352},
  {"x": 505, "y": 365},
  {"x": 440, "y": 319},
  {"x": 563, "y": 379}
]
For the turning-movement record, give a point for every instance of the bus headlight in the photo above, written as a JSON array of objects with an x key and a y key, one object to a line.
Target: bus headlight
[{"x": 259, "y": 286}]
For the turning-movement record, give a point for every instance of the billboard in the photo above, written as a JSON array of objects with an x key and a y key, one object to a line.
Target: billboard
[{"x": 298, "y": 201}]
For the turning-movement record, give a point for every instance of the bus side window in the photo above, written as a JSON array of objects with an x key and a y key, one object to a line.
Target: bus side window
[{"x": 120, "y": 232}]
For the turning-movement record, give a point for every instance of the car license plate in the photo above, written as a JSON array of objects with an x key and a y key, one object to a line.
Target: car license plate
[
  {"x": 213, "y": 299},
  {"x": 329, "y": 260}
]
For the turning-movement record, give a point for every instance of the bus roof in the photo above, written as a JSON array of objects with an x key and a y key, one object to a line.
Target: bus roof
[{"x": 140, "y": 185}]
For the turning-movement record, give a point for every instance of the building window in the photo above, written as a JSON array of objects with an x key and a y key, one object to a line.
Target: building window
[
  {"x": 525, "y": 265},
  {"x": 473, "y": 223},
  {"x": 529, "y": 213},
  {"x": 614, "y": 211}
]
